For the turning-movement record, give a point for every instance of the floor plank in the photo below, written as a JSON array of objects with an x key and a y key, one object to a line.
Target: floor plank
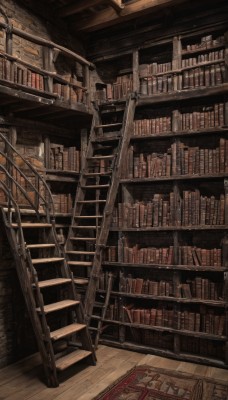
[{"x": 22, "y": 380}]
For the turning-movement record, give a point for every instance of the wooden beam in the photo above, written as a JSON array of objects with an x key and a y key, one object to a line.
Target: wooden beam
[
  {"x": 116, "y": 4},
  {"x": 78, "y": 7},
  {"x": 108, "y": 17}
]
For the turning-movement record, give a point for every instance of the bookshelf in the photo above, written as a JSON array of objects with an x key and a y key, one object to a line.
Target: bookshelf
[{"x": 168, "y": 241}]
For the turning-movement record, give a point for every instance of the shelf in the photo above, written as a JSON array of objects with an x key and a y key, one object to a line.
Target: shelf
[
  {"x": 61, "y": 176},
  {"x": 182, "y": 332},
  {"x": 165, "y": 266},
  {"x": 171, "y": 134},
  {"x": 202, "y": 49},
  {"x": 184, "y": 94},
  {"x": 175, "y": 178},
  {"x": 164, "y": 353},
  {"x": 213, "y": 303},
  {"x": 170, "y": 228}
]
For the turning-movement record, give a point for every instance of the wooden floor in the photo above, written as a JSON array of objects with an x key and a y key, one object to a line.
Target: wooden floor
[{"x": 23, "y": 380}]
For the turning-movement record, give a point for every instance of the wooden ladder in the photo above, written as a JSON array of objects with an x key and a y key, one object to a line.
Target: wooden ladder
[
  {"x": 95, "y": 197},
  {"x": 54, "y": 307}
]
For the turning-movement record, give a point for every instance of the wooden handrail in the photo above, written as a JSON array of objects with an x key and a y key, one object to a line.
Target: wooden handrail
[{"x": 47, "y": 43}]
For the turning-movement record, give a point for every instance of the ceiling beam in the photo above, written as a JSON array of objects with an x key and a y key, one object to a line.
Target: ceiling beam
[
  {"x": 79, "y": 6},
  {"x": 108, "y": 17},
  {"x": 116, "y": 4}
]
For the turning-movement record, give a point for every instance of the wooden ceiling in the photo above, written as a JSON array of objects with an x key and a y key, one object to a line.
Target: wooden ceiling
[{"x": 93, "y": 15}]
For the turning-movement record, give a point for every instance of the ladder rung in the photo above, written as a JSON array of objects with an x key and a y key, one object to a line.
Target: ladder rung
[
  {"x": 40, "y": 246},
  {"x": 102, "y": 157},
  {"x": 53, "y": 282},
  {"x": 60, "y": 305},
  {"x": 66, "y": 331},
  {"x": 81, "y": 281},
  {"x": 105, "y": 138},
  {"x": 81, "y": 252},
  {"x": 92, "y": 328},
  {"x": 94, "y": 174},
  {"x": 88, "y": 216},
  {"x": 84, "y": 227},
  {"x": 32, "y": 225},
  {"x": 88, "y": 239},
  {"x": 71, "y": 359},
  {"x": 95, "y": 187},
  {"x": 80, "y": 263},
  {"x": 46, "y": 260},
  {"x": 108, "y": 125},
  {"x": 91, "y": 201}
]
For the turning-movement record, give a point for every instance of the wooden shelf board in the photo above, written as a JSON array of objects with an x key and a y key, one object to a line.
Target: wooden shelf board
[
  {"x": 165, "y": 353},
  {"x": 175, "y": 177},
  {"x": 166, "y": 329},
  {"x": 170, "y": 228},
  {"x": 165, "y": 266},
  {"x": 187, "y": 133}
]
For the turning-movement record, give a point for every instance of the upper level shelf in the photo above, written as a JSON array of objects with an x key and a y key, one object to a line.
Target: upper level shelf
[{"x": 39, "y": 75}]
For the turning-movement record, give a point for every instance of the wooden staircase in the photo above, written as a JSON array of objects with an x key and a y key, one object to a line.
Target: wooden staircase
[
  {"x": 54, "y": 307},
  {"x": 95, "y": 198}
]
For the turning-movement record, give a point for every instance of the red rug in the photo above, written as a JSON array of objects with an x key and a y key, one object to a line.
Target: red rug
[{"x": 148, "y": 383}]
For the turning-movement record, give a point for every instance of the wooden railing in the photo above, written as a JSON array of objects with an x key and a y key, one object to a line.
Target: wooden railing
[{"x": 44, "y": 80}]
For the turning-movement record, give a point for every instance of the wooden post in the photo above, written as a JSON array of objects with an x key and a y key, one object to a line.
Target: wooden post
[
  {"x": 176, "y": 122},
  {"x": 135, "y": 63},
  {"x": 49, "y": 66},
  {"x": 87, "y": 84},
  {"x": 226, "y": 200},
  {"x": 177, "y": 48},
  {"x": 84, "y": 141},
  {"x": 47, "y": 153}
]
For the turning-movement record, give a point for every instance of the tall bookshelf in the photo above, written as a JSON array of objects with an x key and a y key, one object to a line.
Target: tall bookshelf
[{"x": 168, "y": 246}]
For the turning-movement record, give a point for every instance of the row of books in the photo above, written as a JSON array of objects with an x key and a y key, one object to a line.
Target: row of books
[
  {"x": 102, "y": 282},
  {"x": 62, "y": 203},
  {"x": 202, "y": 347},
  {"x": 112, "y": 311},
  {"x": 192, "y": 255},
  {"x": 193, "y": 210},
  {"x": 206, "y": 42},
  {"x": 186, "y": 255},
  {"x": 2, "y": 179},
  {"x": 146, "y": 70},
  {"x": 204, "y": 76},
  {"x": 198, "y": 288},
  {"x": 117, "y": 90},
  {"x": 128, "y": 284},
  {"x": 196, "y": 118},
  {"x": 18, "y": 74},
  {"x": 209, "y": 322},
  {"x": 203, "y": 117},
  {"x": 162, "y": 340},
  {"x": 64, "y": 158},
  {"x": 179, "y": 160},
  {"x": 69, "y": 93},
  {"x": 201, "y": 288},
  {"x": 206, "y": 57}
]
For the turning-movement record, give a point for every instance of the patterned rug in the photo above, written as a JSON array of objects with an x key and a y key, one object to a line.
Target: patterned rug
[{"x": 148, "y": 383}]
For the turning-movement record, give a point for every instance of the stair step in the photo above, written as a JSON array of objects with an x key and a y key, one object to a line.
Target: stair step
[
  {"x": 60, "y": 305},
  {"x": 89, "y": 239},
  {"x": 46, "y": 260},
  {"x": 53, "y": 282},
  {"x": 95, "y": 186},
  {"x": 88, "y": 216},
  {"x": 102, "y": 157},
  {"x": 32, "y": 225},
  {"x": 40, "y": 246},
  {"x": 81, "y": 252},
  {"x": 81, "y": 281},
  {"x": 91, "y": 201},
  {"x": 85, "y": 227},
  {"x": 66, "y": 331},
  {"x": 80, "y": 263},
  {"x": 108, "y": 125},
  {"x": 71, "y": 359}
]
